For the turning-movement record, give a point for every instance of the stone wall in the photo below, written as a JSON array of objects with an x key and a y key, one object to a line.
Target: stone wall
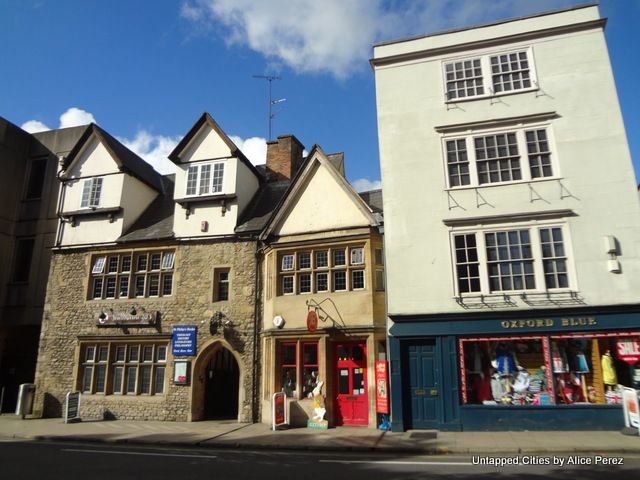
[{"x": 70, "y": 318}]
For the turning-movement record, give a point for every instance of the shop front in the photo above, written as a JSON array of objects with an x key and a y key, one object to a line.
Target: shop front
[{"x": 547, "y": 372}]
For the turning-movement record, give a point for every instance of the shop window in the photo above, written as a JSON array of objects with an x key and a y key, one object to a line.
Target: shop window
[
  {"x": 123, "y": 369},
  {"x": 568, "y": 369},
  {"x": 327, "y": 270},
  {"x": 593, "y": 368},
  {"x": 112, "y": 276},
  {"x": 511, "y": 371},
  {"x": 299, "y": 366}
]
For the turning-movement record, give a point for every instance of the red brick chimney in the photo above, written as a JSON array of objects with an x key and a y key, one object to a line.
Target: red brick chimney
[{"x": 284, "y": 157}]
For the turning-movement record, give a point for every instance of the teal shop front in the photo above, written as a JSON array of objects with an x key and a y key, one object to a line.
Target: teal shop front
[{"x": 551, "y": 371}]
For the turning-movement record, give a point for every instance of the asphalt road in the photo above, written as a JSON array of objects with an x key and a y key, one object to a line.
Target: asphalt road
[{"x": 37, "y": 460}]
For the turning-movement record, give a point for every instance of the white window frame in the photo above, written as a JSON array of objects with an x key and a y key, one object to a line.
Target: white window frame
[
  {"x": 487, "y": 76},
  {"x": 523, "y": 154},
  {"x": 92, "y": 187},
  {"x": 538, "y": 267},
  {"x": 199, "y": 192}
]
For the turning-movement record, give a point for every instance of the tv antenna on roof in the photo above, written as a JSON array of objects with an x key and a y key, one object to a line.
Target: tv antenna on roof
[{"x": 272, "y": 102}]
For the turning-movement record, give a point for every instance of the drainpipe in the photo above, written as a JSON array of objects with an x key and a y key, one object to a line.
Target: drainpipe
[
  {"x": 61, "y": 195},
  {"x": 256, "y": 325}
]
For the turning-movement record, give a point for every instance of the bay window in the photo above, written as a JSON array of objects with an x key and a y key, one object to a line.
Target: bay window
[
  {"x": 508, "y": 156},
  {"x": 511, "y": 259},
  {"x": 489, "y": 75}
]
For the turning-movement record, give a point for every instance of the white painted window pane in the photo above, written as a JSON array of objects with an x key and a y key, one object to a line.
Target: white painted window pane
[
  {"x": 98, "y": 265},
  {"x": 192, "y": 179},
  {"x": 86, "y": 192},
  {"x": 218, "y": 174},
  {"x": 167, "y": 260},
  {"x": 205, "y": 179},
  {"x": 287, "y": 262},
  {"x": 357, "y": 256}
]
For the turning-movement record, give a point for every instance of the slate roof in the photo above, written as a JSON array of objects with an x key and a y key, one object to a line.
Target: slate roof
[
  {"x": 373, "y": 198},
  {"x": 264, "y": 203},
  {"x": 127, "y": 161},
  {"x": 156, "y": 223}
]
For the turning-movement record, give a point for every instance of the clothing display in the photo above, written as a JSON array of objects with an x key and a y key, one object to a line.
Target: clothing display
[{"x": 608, "y": 369}]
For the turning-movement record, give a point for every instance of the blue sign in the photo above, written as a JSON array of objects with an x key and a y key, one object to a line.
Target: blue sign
[{"x": 184, "y": 340}]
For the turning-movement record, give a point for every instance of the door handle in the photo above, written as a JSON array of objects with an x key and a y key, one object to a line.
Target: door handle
[{"x": 420, "y": 392}]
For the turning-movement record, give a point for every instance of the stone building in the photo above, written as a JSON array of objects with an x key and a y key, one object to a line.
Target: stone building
[
  {"x": 151, "y": 302},
  {"x": 28, "y": 224}
]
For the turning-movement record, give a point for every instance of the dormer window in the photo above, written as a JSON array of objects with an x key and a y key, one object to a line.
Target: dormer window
[
  {"x": 205, "y": 179},
  {"x": 91, "y": 190}
]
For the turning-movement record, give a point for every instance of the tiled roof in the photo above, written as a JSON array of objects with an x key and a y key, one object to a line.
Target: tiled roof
[
  {"x": 262, "y": 206},
  {"x": 373, "y": 198},
  {"x": 156, "y": 223}
]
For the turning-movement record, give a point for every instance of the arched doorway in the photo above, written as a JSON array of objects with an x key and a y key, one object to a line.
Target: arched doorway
[{"x": 221, "y": 384}]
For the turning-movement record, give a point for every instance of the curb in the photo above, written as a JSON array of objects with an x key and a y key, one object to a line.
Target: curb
[{"x": 234, "y": 445}]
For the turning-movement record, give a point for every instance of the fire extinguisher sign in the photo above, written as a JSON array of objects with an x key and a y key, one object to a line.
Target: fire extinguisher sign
[{"x": 382, "y": 387}]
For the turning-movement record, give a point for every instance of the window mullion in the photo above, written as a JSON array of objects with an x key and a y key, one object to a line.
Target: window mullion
[
  {"x": 482, "y": 261},
  {"x": 538, "y": 266},
  {"x": 486, "y": 75},
  {"x": 471, "y": 157},
  {"x": 523, "y": 152}
]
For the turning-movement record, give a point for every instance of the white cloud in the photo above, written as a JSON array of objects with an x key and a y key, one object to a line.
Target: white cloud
[
  {"x": 364, "y": 185},
  {"x": 33, "y": 126},
  {"x": 74, "y": 117},
  {"x": 254, "y": 148},
  {"x": 335, "y": 36},
  {"x": 154, "y": 149}
]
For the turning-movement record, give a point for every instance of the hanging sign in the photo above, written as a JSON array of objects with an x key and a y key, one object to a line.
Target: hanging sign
[
  {"x": 184, "y": 340},
  {"x": 312, "y": 321},
  {"x": 628, "y": 350},
  {"x": 382, "y": 387},
  {"x": 279, "y": 413}
]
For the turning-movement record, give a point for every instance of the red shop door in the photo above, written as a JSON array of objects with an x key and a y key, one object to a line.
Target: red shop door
[{"x": 352, "y": 400}]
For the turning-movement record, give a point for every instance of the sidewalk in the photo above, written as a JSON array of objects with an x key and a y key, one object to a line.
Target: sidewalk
[{"x": 228, "y": 434}]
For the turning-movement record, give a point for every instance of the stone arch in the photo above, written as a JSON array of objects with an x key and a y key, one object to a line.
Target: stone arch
[{"x": 198, "y": 383}]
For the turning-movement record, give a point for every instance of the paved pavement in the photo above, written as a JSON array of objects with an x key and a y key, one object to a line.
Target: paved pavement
[{"x": 228, "y": 434}]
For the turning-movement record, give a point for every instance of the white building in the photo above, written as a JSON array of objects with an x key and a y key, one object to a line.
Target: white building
[{"x": 512, "y": 225}]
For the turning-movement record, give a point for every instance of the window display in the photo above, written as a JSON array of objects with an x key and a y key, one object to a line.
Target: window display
[
  {"x": 505, "y": 371},
  {"x": 568, "y": 369}
]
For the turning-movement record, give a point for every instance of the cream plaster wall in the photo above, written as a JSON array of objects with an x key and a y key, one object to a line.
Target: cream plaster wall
[
  {"x": 322, "y": 205},
  {"x": 206, "y": 144},
  {"x": 593, "y": 172},
  {"x": 93, "y": 160},
  {"x": 136, "y": 197},
  {"x": 246, "y": 185}
]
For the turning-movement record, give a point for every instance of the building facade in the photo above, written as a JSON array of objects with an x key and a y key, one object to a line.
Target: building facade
[
  {"x": 28, "y": 225},
  {"x": 151, "y": 302},
  {"x": 323, "y": 322},
  {"x": 512, "y": 225}
]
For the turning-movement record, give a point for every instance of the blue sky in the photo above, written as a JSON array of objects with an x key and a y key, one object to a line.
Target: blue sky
[{"x": 146, "y": 70}]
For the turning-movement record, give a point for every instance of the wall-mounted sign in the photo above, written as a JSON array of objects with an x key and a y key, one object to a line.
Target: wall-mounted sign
[
  {"x": 549, "y": 322},
  {"x": 131, "y": 318},
  {"x": 382, "y": 387},
  {"x": 628, "y": 350},
  {"x": 183, "y": 340},
  {"x": 312, "y": 321},
  {"x": 279, "y": 413},
  {"x": 181, "y": 372}
]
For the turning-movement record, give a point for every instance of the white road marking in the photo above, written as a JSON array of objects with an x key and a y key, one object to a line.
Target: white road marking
[
  {"x": 117, "y": 452},
  {"x": 395, "y": 462}
]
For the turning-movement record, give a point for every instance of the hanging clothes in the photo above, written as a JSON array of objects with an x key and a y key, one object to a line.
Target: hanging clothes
[
  {"x": 506, "y": 364},
  {"x": 609, "y": 370}
]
